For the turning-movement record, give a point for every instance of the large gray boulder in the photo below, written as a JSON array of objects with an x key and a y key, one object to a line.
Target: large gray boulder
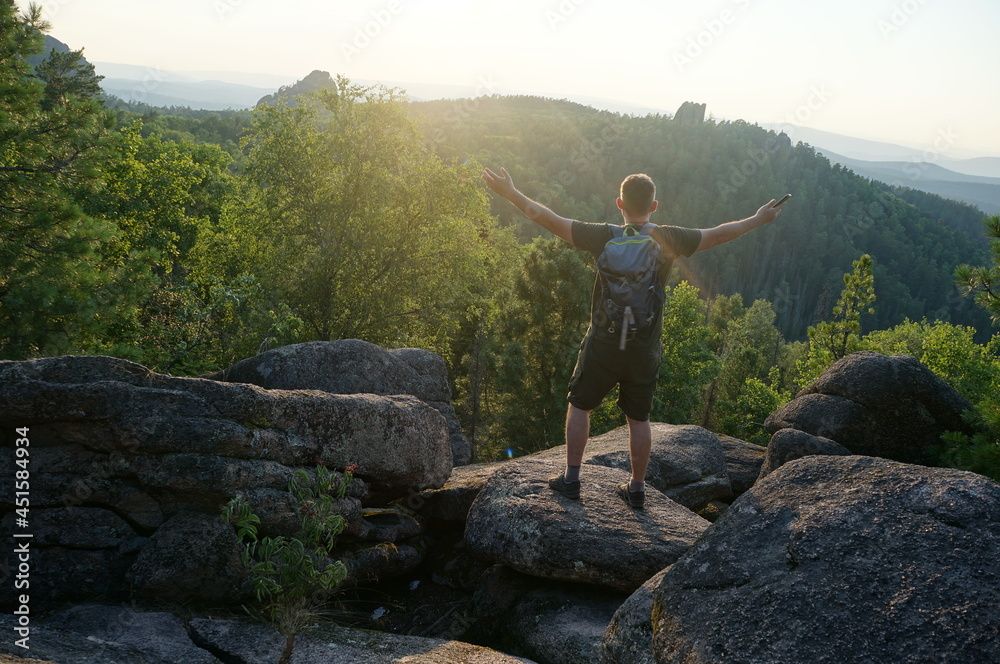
[
  {"x": 352, "y": 366},
  {"x": 686, "y": 462},
  {"x": 114, "y": 406},
  {"x": 841, "y": 559},
  {"x": 158, "y": 635},
  {"x": 50, "y": 645},
  {"x": 120, "y": 456},
  {"x": 517, "y": 520},
  {"x": 790, "y": 444},
  {"x": 94, "y": 634},
  {"x": 743, "y": 462},
  {"x": 892, "y": 407}
]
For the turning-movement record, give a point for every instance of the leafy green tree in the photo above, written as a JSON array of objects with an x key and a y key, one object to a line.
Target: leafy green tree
[
  {"x": 535, "y": 348},
  {"x": 689, "y": 364},
  {"x": 172, "y": 315},
  {"x": 979, "y": 452},
  {"x": 831, "y": 340},
  {"x": 159, "y": 193},
  {"x": 53, "y": 141},
  {"x": 743, "y": 415},
  {"x": 350, "y": 221},
  {"x": 748, "y": 386}
]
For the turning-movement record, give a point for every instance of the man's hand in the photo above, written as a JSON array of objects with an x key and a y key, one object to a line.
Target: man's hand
[
  {"x": 538, "y": 213},
  {"x": 766, "y": 214},
  {"x": 501, "y": 184}
]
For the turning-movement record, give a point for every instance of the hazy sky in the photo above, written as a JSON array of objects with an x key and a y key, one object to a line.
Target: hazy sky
[{"x": 922, "y": 73}]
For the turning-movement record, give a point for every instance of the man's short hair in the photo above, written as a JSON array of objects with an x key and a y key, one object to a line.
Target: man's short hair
[{"x": 638, "y": 193}]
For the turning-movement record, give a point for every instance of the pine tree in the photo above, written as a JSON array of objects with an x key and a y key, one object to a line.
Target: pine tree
[
  {"x": 983, "y": 283},
  {"x": 831, "y": 340},
  {"x": 536, "y": 347},
  {"x": 53, "y": 134}
]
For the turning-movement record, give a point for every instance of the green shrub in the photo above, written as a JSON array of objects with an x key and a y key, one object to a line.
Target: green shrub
[{"x": 294, "y": 576}]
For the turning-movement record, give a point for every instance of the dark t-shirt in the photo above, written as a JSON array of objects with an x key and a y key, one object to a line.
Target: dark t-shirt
[{"x": 674, "y": 242}]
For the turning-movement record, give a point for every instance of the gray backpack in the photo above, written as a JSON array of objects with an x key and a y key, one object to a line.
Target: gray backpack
[{"x": 631, "y": 295}]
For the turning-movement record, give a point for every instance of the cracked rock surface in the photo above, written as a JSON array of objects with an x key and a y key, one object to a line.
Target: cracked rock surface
[
  {"x": 841, "y": 559},
  {"x": 517, "y": 520}
]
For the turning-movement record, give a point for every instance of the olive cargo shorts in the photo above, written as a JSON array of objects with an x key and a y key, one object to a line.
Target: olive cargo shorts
[{"x": 601, "y": 365}]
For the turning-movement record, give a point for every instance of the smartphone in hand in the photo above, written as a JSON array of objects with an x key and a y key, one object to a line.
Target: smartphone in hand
[{"x": 783, "y": 199}]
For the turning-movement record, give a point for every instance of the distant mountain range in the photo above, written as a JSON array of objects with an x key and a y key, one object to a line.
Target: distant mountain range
[
  {"x": 875, "y": 151},
  {"x": 974, "y": 181},
  {"x": 220, "y": 90},
  {"x": 983, "y": 192}
]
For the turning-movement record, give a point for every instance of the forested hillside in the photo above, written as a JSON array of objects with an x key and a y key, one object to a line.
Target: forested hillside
[
  {"x": 187, "y": 240},
  {"x": 572, "y": 157}
]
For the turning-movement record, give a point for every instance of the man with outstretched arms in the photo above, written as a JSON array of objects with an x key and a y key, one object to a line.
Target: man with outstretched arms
[{"x": 610, "y": 355}]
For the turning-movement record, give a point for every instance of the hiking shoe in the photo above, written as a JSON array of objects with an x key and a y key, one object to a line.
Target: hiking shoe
[
  {"x": 569, "y": 489},
  {"x": 634, "y": 499}
]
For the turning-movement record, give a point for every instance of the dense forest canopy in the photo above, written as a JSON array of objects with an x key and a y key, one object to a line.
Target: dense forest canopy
[{"x": 186, "y": 240}]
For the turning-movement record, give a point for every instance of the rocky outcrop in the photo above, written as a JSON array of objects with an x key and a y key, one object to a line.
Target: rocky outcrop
[
  {"x": 107, "y": 406},
  {"x": 743, "y": 463},
  {"x": 690, "y": 113},
  {"x": 892, "y": 407},
  {"x": 790, "y": 444},
  {"x": 517, "y": 520},
  {"x": 686, "y": 462},
  {"x": 289, "y": 94},
  {"x": 841, "y": 559},
  {"x": 351, "y": 366},
  {"x": 130, "y": 470}
]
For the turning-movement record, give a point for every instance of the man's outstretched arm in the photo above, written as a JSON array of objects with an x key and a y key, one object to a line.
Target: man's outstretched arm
[
  {"x": 713, "y": 237},
  {"x": 502, "y": 184}
]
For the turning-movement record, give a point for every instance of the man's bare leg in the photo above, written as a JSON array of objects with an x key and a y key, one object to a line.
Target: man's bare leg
[
  {"x": 639, "y": 444},
  {"x": 577, "y": 433}
]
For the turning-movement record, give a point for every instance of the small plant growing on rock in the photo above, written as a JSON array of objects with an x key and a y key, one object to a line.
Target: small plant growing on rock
[{"x": 294, "y": 576}]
